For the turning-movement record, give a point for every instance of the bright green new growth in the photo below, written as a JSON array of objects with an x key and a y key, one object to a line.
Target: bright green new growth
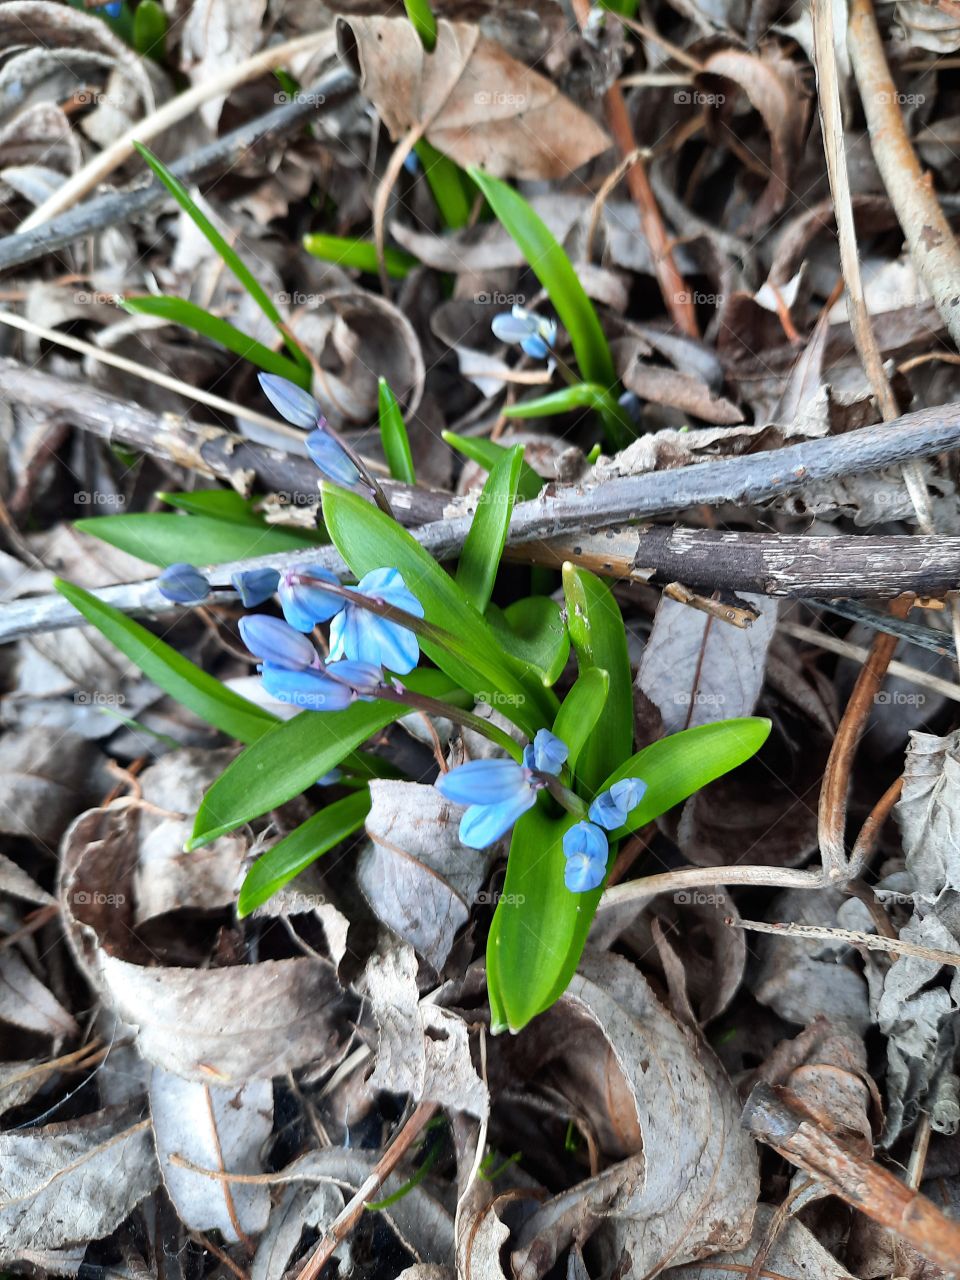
[
  {"x": 346, "y": 251},
  {"x": 393, "y": 435},
  {"x": 423, "y": 22}
]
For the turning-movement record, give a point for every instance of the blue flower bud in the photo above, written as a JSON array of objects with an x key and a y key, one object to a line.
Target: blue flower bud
[
  {"x": 183, "y": 584},
  {"x": 291, "y": 401},
  {"x": 332, "y": 776},
  {"x": 547, "y": 753},
  {"x": 274, "y": 641},
  {"x": 304, "y": 604},
  {"x": 535, "y": 334},
  {"x": 308, "y": 690},
  {"x": 253, "y": 586},
  {"x": 612, "y": 808},
  {"x": 484, "y": 782},
  {"x": 586, "y": 851},
  {"x": 331, "y": 458}
]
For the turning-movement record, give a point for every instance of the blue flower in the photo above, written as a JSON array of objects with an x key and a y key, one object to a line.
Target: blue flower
[
  {"x": 300, "y": 408},
  {"x": 497, "y": 791},
  {"x": 253, "y": 586},
  {"x": 331, "y": 458},
  {"x": 183, "y": 584},
  {"x": 612, "y": 808},
  {"x": 547, "y": 753},
  {"x": 332, "y": 689},
  {"x": 304, "y": 604},
  {"x": 535, "y": 334},
  {"x": 362, "y": 636},
  {"x": 112, "y": 10},
  {"x": 274, "y": 641},
  {"x": 331, "y": 777},
  {"x": 586, "y": 851}
]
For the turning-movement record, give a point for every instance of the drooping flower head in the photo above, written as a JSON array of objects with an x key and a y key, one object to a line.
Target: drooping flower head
[
  {"x": 362, "y": 636},
  {"x": 499, "y": 791},
  {"x": 253, "y": 586},
  {"x": 586, "y": 851},
  {"x": 274, "y": 641},
  {"x": 300, "y": 408},
  {"x": 183, "y": 584},
  {"x": 611, "y": 808},
  {"x": 535, "y": 334},
  {"x": 333, "y": 688}
]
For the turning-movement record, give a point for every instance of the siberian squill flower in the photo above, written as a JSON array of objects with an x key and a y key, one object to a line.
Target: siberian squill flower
[
  {"x": 183, "y": 584},
  {"x": 535, "y": 334},
  {"x": 586, "y": 850},
  {"x": 332, "y": 689},
  {"x": 611, "y": 808},
  {"x": 304, "y": 604},
  {"x": 300, "y": 408},
  {"x": 499, "y": 791},
  {"x": 253, "y": 586},
  {"x": 362, "y": 636},
  {"x": 274, "y": 641}
]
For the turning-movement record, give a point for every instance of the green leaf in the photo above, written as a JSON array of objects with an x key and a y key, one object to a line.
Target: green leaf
[
  {"x": 423, "y": 22},
  {"x": 549, "y": 262},
  {"x": 487, "y": 453},
  {"x": 580, "y": 712},
  {"x": 295, "y": 852},
  {"x": 190, "y": 316},
  {"x": 393, "y": 436},
  {"x": 163, "y": 538},
  {"x": 539, "y": 928},
  {"x": 218, "y": 504},
  {"x": 450, "y": 187},
  {"x": 204, "y": 695},
  {"x": 226, "y": 251},
  {"x": 345, "y": 251},
  {"x": 150, "y": 30},
  {"x": 533, "y": 628},
  {"x": 293, "y": 756},
  {"x": 581, "y": 395},
  {"x": 483, "y": 545},
  {"x": 600, "y": 640},
  {"x": 368, "y": 539}
]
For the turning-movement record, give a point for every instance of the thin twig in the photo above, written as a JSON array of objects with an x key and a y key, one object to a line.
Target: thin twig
[
  {"x": 866, "y": 841},
  {"x": 684, "y": 878},
  {"x": 854, "y": 937}
]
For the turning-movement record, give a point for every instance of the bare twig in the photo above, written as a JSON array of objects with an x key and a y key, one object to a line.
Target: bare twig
[
  {"x": 776, "y": 1116},
  {"x": 684, "y": 878},
  {"x": 866, "y": 841},
  {"x": 855, "y": 938}
]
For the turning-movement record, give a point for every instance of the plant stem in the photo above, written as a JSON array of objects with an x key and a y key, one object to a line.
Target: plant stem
[{"x": 433, "y": 706}]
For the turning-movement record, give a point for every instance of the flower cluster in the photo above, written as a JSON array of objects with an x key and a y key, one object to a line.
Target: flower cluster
[
  {"x": 499, "y": 791},
  {"x": 535, "y": 334},
  {"x": 300, "y": 408}
]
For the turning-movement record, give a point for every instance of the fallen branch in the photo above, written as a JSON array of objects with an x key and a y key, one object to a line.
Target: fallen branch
[
  {"x": 775, "y": 1116},
  {"x": 119, "y": 207}
]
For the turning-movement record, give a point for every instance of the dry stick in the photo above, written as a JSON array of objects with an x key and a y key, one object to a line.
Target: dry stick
[
  {"x": 855, "y": 938},
  {"x": 352, "y": 1211},
  {"x": 119, "y": 207},
  {"x": 701, "y": 877},
  {"x": 832, "y": 810},
  {"x": 775, "y": 1116},
  {"x": 178, "y": 108},
  {"x": 866, "y": 841},
  {"x": 933, "y": 247},
  {"x": 676, "y": 297}
]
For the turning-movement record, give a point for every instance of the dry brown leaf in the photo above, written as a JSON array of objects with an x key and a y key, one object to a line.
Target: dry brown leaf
[
  {"x": 25, "y": 1002},
  {"x": 470, "y": 98},
  {"x": 678, "y": 390},
  {"x": 216, "y": 36},
  {"x": 796, "y": 1254}
]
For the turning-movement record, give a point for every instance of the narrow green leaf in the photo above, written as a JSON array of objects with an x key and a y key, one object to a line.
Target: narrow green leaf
[
  {"x": 218, "y": 504},
  {"x": 580, "y": 712},
  {"x": 423, "y": 22},
  {"x": 533, "y": 628},
  {"x": 190, "y": 316},
  {"x": 368, "y": 539},
  {"x": 295, "y": 852},
  {"x": 483, "y": 545},
  {"x": 226, "y": 251},
  {"x": 393, "y": 435},
  {"x": 293, "y": 756},
  {"x": 539, "y": 928},
  {"x": 450, "y": 187},
  {"x": 581, "y": 395},
  {"x": 346, "y": 251},
  {"x": 487, "y": 453},
  {"x": 204, "y": 695},
  {"x": 549, "y": 262},
  {"x": 163, "y": 538},
  {"x": 150, "y": 30},
  {"x": 599, "y": 639}
]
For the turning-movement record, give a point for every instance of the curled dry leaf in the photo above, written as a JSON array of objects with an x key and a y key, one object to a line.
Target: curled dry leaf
[
  {"x": 772, "y": 85},
  {"x": 678, "y": 390},
  {"x": 72, "y": 1182},
  {"x": 681, "y": 1180},
  {"x": 416, "y": 875},
  {"x": 422, "y": 1050},
  {"x": 471, "y": 99},
  {"x": 298, "y": 1207},
  {"x": 220, "y": 1131}
]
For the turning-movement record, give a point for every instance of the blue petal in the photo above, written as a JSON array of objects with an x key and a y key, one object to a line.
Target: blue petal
[
  {"x": 255, "y": 585},
  {"x": 303, "y": 604},
  {"x": 363, "y": 637},
  {"x": 183, "y": 584},
  {"x": 581, "y": 874},
  {"x": 331, "y": 459},
  {"x": 586, "y": 839},
  {"x": 529, "y": 756},
  {"x": 276, "y": 642},
  {"x": 328, "y": 779},
  {"x": 388, "y": 585},
  {"x": 290, "y": 401},
  {"x": 535, "y": 347},
  {"x": 482, "y": 824},
  {"x": 362, "y": 677},
  {"x": 549, "y": 752},
  {"x": 514, "y": 326},
  {"x": 485, "y": 782},
  {"x": 305, "y": 689},
  {"x": 611, "y": 808}
]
